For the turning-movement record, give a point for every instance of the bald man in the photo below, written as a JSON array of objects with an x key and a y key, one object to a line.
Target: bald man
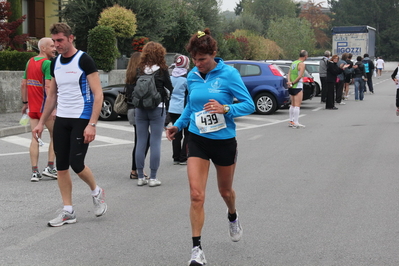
[{"x": 35, "y": 83}]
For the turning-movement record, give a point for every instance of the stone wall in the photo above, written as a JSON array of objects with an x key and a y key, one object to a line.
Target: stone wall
[{"x": 10, "y": 87}]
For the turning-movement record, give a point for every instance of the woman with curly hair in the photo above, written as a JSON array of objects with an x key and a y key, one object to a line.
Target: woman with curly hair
[
  {"x": 152, "y": 61},
  {"x": 210, "y": 113}
]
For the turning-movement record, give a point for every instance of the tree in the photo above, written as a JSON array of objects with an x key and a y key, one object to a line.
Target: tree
[
  {"x": 187, "y": 22},
  {"x": 243, "y": 22},
  {"x": 122, "y": 20},
  {"x": 208, "y": 11},
  {"x": 319, "y": 22},
  {"x": 8, "y": 39},
  {"x": 101, "y": 46},
  {"x": 292, "y": 35},
  {"x": 269, "y": 10}
]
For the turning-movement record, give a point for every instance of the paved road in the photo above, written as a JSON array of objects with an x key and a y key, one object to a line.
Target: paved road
[{"x": 324, "y": 195}]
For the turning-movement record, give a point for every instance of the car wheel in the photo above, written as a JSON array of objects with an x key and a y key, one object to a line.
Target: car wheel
[
  {"x": 107, "y": 111},
  {"x": 265, "y": 104}
]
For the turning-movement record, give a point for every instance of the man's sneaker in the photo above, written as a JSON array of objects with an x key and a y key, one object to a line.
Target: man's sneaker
[
  {"x": 397, "y": 112},
  {"x": 100, "y": 207},
  {"x": 50, "y": 172},
  {"x": 142, "y": 181},
  {"x": 64, "y": 217},
  {"x": 342, "y": 103},
  {"x": 197, "y": 257},
  {"x": 36, "y": 176},
  {"x": 298, "y": 126},
  {"x": 235, "y": 230},
  {"x": 176, "y": 162},
  {"x": 154, "y": 183},
  {"x": 291, "y": 123}
]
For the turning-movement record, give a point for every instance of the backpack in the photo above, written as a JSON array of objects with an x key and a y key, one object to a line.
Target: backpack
[
  {"x": 146, "y": 94},
  {"x": 349, "y": 71},
  {"x": 366, "y": 67}
]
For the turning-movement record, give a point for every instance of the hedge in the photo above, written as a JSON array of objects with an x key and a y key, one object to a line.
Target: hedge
[{"x": 14, "y": 60}]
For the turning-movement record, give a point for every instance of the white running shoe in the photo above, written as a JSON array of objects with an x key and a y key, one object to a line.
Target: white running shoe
[
  {"x": 36, "y": 176},
  {"x": 235, "y": 230},
  {"x": 64, "y": 217},
  {"x": 100, "y": 207},
  {"x": 297, "y": 125},
  {"x": 154, "y": 182},
  {"x": 197, "y": 257},
  {"x": 142, "y": 181},
  {"x": 50, "y": 172}
]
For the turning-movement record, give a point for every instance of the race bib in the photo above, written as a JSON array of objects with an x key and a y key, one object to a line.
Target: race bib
[{"x": 207, "y": 122}]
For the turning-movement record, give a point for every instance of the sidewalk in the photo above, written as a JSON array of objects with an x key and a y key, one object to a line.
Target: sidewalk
[{"x": 9, "y": 125}]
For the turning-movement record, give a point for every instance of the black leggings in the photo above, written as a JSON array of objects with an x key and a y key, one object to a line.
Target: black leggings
[{"x": 69, "y": 146}]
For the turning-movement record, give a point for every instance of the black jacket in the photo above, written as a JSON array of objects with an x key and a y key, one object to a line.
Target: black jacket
[{"x": 333, "y": 70}]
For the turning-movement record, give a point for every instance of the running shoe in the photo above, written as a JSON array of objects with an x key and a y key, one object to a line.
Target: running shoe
[
  {"x": 298, "y": 126},
  {"x": 397, "y": 112},
  {"x": 100, "y": 207},
  {"x": 183, "y": 163},
  {"x": 36, "y": 176},
  {"x": 142, "y": 181},
  {"x": 154, "y": 182},
  {"x": 64, "y": 217},
  {"x": 235, "y": 230},
  {"x": 50, "y": 172},
  {"x": 197, "y": 257},
  {"x": 291, "y": 123}
]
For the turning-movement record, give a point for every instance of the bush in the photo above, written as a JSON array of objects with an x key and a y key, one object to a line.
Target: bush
[
  {"x": 14, "y": 60},
  {"x": 122, "y": 20},
  {"x": 102, "y": 47}
]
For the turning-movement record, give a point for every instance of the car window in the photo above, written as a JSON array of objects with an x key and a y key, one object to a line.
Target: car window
[
  {"x": 312, "y": 68},
  {"x": 249, "y": 70}
]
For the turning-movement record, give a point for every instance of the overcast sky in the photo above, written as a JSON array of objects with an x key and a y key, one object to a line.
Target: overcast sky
[{"x": 231, "y": 4}]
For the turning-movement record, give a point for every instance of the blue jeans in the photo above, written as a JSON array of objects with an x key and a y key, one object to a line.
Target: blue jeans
[
  {"x": 359, "y": 88},
  {"x": 149, "y": 120}
]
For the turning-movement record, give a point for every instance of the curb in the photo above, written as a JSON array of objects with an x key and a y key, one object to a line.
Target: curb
[{"x": 14, "y": 130}]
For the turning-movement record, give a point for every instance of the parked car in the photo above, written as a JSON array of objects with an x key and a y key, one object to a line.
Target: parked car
[
  {"x": 312, "y": 67},
  {"x": 265, "y": 83},
  {"x": 309, "y": 85},
  {"x": 110, "y": 93}
]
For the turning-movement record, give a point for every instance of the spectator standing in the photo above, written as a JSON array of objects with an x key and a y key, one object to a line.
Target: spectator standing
[
  {"x": 152, "y": 61},
  {"x": 360, "y": 77},
  {"x": 369, "y": 68},
  {"x": 176, "y": 107},
  {"x": 323, "y": 75},
  {"x": 212, "y": 86},
  {"x": 295, "y": 88},
  {"x": 130, "y": 82},
  {"x": 395, "y": 78},
  {"x": 348, "y": 78},
  {"x": 341, "y": 80},
  {"x": 34, "y": 89},
  {"x": 76, "y": 89},
  {"x": 333, "y": 70}
]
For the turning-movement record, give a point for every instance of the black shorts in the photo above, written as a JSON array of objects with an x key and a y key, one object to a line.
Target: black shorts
[
  {"x": 69, "y": 146},
  {"x": 222, "y": 152},
  {"x": 294, "y": 91}
]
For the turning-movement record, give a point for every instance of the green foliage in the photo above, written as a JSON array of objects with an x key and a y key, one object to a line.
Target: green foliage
[
  {"x": 82, "y": 16},
  {"x": 243, "y": 22},
  {"x": 102, "y": 47},
  {"x": 255, "y": 47},
  {"x": 122, "y": 20},
  {"x": 269, "y": 10},
  {"x": 16, "y": 13},
  {"x": 292, "y": 35},
  {"x": 187, "y": 22},
  {"x": 14, "y": 60}
]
